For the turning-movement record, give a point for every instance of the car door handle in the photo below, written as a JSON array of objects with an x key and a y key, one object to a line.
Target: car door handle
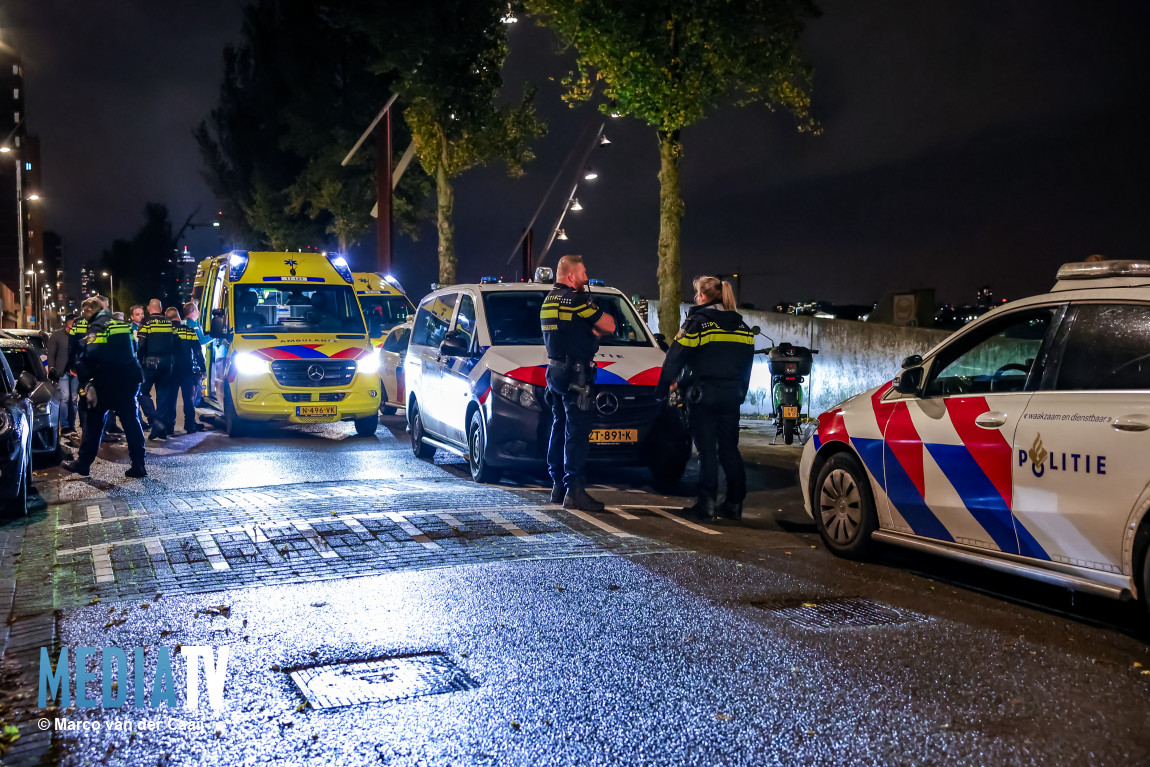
[
  {"x": 1130, "y": 423},
  {"x": 990, "y": 420}
]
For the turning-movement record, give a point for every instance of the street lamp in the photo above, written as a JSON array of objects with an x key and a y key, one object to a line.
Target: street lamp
[{"x": 111, "y": 290}]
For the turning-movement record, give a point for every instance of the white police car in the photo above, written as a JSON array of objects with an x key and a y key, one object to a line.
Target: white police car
[
  {"x": 1019, "y": 443},
  {"x": 476, "y": 378}
]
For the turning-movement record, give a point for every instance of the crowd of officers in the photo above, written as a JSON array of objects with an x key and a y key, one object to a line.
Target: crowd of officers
[{"x": 111, "y": 367}]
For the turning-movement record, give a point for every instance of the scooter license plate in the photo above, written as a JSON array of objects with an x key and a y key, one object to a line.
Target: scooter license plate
[
  {"x": 614, "y": 435},
  {"x": 316, "y": 410},
  {"x": 791, "y": 411}
]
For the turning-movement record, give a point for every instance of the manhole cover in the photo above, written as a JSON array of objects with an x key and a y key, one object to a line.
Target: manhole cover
[
  {"x": 840, "y": 612},
  {"x": 380, "y": 681}
]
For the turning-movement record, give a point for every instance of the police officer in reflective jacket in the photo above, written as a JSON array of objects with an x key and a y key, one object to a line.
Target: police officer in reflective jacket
[
  {"x": 713, "y": 353},
  {"x": 572, "y": 325},
  {"x": 157, "y": 340},
  {"x": 110, "y": 375}
]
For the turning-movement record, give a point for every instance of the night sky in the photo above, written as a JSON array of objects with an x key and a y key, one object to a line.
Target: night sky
[{"x": 964, "y": 143}]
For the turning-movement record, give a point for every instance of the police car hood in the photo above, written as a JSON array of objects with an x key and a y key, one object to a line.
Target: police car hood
[{"x": 618, "y": 365}]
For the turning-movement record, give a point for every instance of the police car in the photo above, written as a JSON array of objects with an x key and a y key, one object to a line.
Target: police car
[
  {"x": 476, "y": 377},
  {"x": 1019, "y": 443}
]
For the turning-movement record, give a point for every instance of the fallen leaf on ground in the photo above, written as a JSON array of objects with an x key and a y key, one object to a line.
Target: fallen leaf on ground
[
  {"x": 275, "y": 667},
  {"x": 165, "y": 633},
  {"x": 216, "y": 611},
  {"x": 559, "y": 587},
  {"x": 313, "y": 604},
  {"x": 94, "y": 600},
  {"x": 723, "y": 717},
  {"x": 115, "y": 622},
  {"x": 145, "y": 606},
  {"x": 809, "y": 604},
  {"x": 1137, "y": 664}
]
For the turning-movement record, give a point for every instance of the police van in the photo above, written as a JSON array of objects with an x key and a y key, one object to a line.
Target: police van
[
  {"x": 287, "y": 341},
  {"x": 476, "y": 377},
  {"x": 1019, "y": 443}
]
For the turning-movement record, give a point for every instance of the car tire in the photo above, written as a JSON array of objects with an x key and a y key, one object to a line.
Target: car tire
[
  {"x": 844, "y": 507},
  {"x": 789, "y": 432},
  {"x": 481, "y": 470},
  {"x": 418, "y": 446},
  {"x": 18, "y": 506},
  {"x": 366, "y": 426},
  {"x": 384, "y": 408},
  {"x": 1142, "y": 565},
  {"x": 233, "y": 424}
]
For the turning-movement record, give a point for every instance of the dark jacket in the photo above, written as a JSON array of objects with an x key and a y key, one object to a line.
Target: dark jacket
[
  {"x": 189, "y": 359},
  {"x": 57, "y": 350},
  {"x": 76, "y": 342},
  {"x": 568, "y": 318},
  {"x": 108, "y": 357},
  {"x": 157, "y": 342},
  {"x": 718, "y": 348}
]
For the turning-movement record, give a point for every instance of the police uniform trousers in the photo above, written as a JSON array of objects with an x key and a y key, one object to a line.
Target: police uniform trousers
[
  {"x": 570, "y": 429},
  {"x": 185, "y": 386},
  {"x": 166, "y": 391},
  {"x": 121, "y": 403},
  {"x": 715, "y": 431}
]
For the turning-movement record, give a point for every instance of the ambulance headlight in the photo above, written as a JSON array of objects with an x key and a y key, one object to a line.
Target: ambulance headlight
[
  {"x": 248, "y": 364},
  {"x": 519, "y": 392},
  {"x": 369, "y": 363}
]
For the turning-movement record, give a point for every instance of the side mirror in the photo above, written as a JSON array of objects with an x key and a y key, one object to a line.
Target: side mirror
[
  {"x": 218, "y": 328},
  {"x": 912, "y": 361},
  {"x": 755, "y": 330},
  {"x": 909, "y": 381},
  {"x": 375, "y": 326},
  {"x": 25, "y": 384},
  {"x": 661, "y": 340},
  {"x": 454, "y": 345}
]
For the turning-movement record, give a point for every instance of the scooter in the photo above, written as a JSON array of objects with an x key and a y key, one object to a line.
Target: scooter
[{"x": 789, "y": 365}]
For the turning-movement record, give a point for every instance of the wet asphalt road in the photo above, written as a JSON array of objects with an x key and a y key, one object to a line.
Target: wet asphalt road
[{"x": 697, "y": 648}]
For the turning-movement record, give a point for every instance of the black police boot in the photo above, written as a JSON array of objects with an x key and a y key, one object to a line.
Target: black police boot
[
  {"x": 136, "y": 472},
  {"x": 578, "y": 500},
  {"x": 731, "y": 509},
  {"x": 703, "y": 509},
  {"x": 75, "y": 467},
  {"x": 558, "y": 492}
]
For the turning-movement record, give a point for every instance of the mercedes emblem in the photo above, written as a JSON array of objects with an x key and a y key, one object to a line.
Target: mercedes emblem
[
  {"x": 315, "y": 372},
  {"x": 607, "y": 403}
]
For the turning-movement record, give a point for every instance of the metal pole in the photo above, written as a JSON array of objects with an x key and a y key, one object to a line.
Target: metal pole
[
  {"x": 111, "y": 294},
  {"x": 567, "y": 203},
  {"x": 383, "y": 195},
  {"x": 22, "y": 318}
]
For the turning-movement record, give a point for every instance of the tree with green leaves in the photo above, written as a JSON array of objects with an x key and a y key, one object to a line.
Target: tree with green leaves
[
  {"x": 446, "y": 57},
  {"x": 144, "y": 266},
  {"x": 671, "y": 62}
]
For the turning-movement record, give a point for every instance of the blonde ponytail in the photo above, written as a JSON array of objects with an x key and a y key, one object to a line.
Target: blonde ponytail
[
  {"x": 716, "y": 292},
  {"x": 728, "y": 297}
]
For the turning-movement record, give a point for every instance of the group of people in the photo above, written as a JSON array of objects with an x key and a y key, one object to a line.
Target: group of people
[
  {"x": 709, "y": 362},
  {"x": 108, "y": 366}
]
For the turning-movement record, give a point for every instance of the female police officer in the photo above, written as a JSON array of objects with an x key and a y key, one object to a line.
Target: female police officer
[{"x": 715, "y": 347}]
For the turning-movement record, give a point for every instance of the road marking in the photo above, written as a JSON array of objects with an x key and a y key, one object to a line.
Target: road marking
[
  {"x": 537, "y": 515},
  {"x": 94, "y": 518},
  {"x": 315, "y": 540},
  {"x": 451, "y": 520},
  {"x": 212, "y": 551},
  {"x": 93, "y": 515},
  {"x": 507, "y": 525},
  {"x": 416, "y": 534},
  {"x": 357, "y": 527},
  {"x": 154, "y": 547},
  {"x": 599, "y": 524},
  {"x": 674, "y": 518},
  {"x": 620, "y": 512},
  {"x": 102, "y": 564}
]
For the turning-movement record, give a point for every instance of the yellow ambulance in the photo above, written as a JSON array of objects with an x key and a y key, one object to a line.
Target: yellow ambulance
[
  {"x": 287, "y": 341},
  {"x": 383, "y": 299}
]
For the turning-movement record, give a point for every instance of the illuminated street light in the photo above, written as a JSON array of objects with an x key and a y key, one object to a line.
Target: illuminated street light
[
  {"x": 589, "y": 174},
  {"x": 561, "y": 235},
  {"x": 111, "y": 289},
  {"x": 604, "y": 141},
  {"x": 5, "y": 149},
  {"x": 33, "y": 197},
  {"x": 575, "y": 204}
]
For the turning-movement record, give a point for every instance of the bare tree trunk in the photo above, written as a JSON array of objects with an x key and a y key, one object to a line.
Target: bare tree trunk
[
  {"x": 670, "y": 224},
  {"x": 444, "y": 212}
]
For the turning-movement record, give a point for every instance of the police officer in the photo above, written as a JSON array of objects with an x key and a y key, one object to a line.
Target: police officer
[
  {"x": 157, "y": 340},
  {"x": 76, "y": 336},
  {"x": 110, "y": 375},
  {"x": 187, "y": 370},
  {"x": 715, "y": 348},
  {"x": 572, "y": 325}
]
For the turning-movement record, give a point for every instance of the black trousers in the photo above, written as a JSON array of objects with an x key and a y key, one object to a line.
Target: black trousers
[
  {"x": 161, "y": 378},
  {"x": 120, "y": 404},
  {"x": 570, "y": 431},
  {"x": 185, "y": 387},
  {"x": 716, "y": 435}
]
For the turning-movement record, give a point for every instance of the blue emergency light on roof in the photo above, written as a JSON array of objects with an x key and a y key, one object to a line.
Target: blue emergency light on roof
[
  {"x": 544, "y": 274},
  {"x": 394, "y": 283},
  {"x": 488, "y": 280},
  {"x": 340, "y": 264},
  {"x": 237, "y": 263},
  {"x": 596, "y": 283}
]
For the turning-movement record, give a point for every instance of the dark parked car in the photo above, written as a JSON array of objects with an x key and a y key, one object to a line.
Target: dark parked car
[
  {"x": 15, "y": 439},
  {"x": 45, "y": 394}
]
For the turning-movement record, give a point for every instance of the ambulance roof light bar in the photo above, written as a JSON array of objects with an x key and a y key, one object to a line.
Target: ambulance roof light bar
[
  {"x": 545, "y": 274},
  {"x": 341, "y": 267},
  {"x": 237, "y": 263},
  {"x": 1093, "y": 270}
]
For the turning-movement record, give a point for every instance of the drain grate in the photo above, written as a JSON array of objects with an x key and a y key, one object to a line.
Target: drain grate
[
  {"x": 840, "y": 612},
  {"x": 381, "y": 681}
]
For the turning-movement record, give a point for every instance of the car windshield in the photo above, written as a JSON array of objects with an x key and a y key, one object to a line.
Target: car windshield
[
  {"x": 513, "y": 318},
  {"x": 390, "y": 310},
  {"x": 314, "y": 308}
]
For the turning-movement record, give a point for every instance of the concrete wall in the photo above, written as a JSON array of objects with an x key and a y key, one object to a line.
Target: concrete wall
[{"x": 853, "y": 356}]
